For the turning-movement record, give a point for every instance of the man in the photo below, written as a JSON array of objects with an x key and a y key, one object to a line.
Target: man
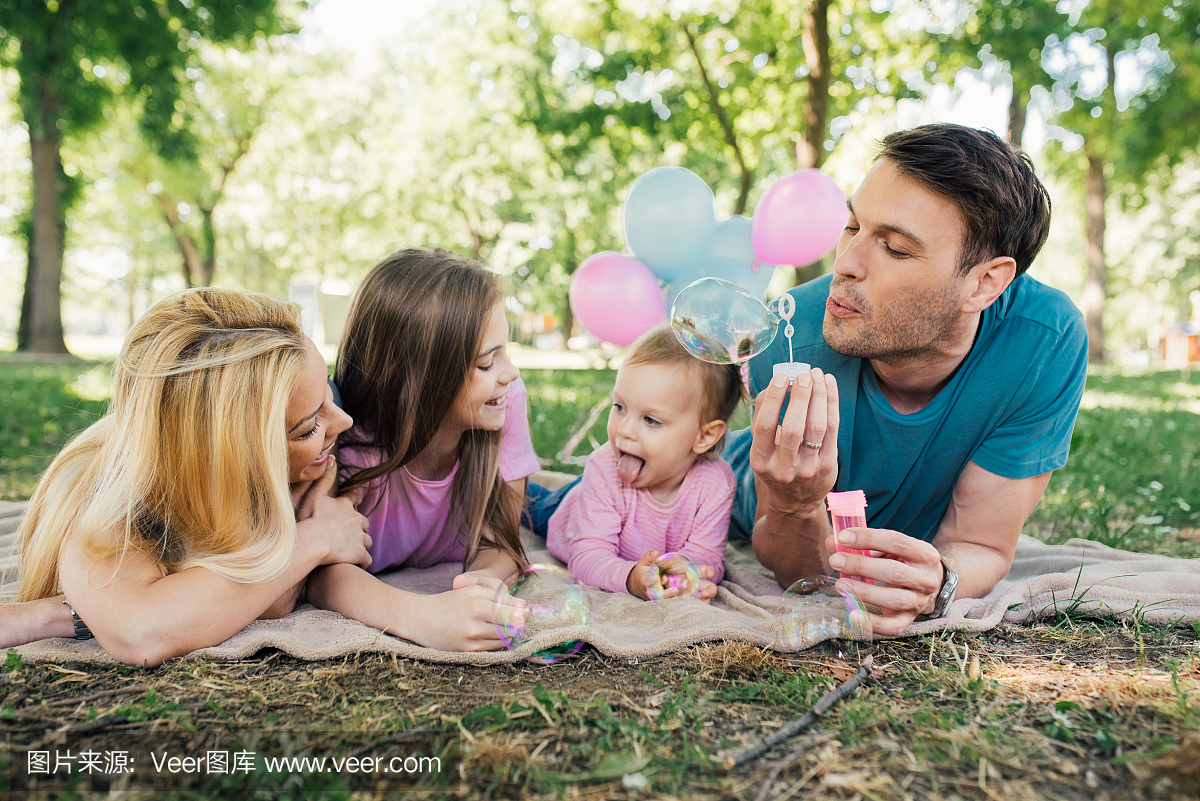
[{"x": 945, "y": 382}]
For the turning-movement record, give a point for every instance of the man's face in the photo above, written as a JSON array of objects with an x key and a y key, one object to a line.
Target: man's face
[{"x": 896, "y": 293}]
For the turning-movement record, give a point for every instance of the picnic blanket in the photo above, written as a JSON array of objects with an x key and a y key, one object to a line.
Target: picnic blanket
[{"x": 1080, "y": 576}]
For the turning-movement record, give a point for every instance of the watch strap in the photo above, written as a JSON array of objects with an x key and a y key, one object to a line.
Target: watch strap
[{"x": 82, "y": 632}]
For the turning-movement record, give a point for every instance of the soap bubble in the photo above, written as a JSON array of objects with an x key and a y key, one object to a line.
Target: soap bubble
[
  {"x": 816, "y": 609},
  {"x": 687, "y": 582},
  {"x": 556, "y": 602},
  {"x": 722, "y": 323}
]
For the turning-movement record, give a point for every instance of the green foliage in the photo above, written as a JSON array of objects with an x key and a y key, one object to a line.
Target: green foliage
[
  {"x": 73, "y": 56},
  {"x": 44, "y": 407}
]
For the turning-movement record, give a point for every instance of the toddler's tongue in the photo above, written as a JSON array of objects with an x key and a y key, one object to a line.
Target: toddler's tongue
[{"x": 628, "y": 467}]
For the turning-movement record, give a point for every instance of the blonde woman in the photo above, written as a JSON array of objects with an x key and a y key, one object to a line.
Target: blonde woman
[{"x": 204, "y": 497}]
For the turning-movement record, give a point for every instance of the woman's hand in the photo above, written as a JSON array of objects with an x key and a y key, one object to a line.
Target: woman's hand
[{"x": 330, "y": 524}]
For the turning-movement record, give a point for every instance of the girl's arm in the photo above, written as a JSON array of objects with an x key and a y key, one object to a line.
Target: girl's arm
[
  {"x": 594, "y": 532},
  {"x": 142, "y": 617},
  {"x": 489, "y": 562},
  {"x": 463, "y": 619}
]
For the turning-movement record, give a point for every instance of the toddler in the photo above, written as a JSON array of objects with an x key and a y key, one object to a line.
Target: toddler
[{"x": 658, "y": 486}]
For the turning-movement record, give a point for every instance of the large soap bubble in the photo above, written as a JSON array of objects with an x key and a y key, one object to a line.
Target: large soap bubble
[
  {"x": 720, "y": 322},
  {"x": 817, "y": 609},
  {"x": 559, "y": 614},
  {"x": 677, "y": 572}
]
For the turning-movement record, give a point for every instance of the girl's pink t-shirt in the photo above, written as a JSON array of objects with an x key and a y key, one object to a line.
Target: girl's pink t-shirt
[
  {"x": 411, "y": 524},
  {"x": 604, "y": 526}
]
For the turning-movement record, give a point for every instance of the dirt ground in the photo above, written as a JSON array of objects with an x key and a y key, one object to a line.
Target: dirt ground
[{"x": 1074, "y": 710}]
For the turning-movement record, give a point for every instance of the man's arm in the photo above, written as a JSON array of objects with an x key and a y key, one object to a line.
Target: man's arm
[
  {"x": 977, "y": 538},
  {"x": 978, "y": 533}
]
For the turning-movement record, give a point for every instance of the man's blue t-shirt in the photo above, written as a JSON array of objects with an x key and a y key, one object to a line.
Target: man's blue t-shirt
[{"x": 1010, "y": 408}]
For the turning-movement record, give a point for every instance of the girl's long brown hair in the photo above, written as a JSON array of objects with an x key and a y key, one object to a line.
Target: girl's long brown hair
[{"x": 411, "y": 341}]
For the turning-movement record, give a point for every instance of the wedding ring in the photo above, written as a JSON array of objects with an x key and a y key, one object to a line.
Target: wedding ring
[{"x": 816, "y": 446}]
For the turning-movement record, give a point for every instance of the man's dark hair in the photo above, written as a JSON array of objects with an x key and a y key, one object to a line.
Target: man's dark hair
[{"x": 1004, "y": 206}]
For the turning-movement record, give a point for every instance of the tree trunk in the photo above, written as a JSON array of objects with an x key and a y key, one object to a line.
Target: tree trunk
[
  {"x": 570, "y": 264},
  {"x": 1017, "y": 105},
  {"x": 1095, "y": 290},
  {"x": 27, "y": 293},
  {"x": 810, "y": 150},
  {"x": 209, "y": 267},
  {"x": 190, "y": 265},
  {"x": 42, "y": 328}
]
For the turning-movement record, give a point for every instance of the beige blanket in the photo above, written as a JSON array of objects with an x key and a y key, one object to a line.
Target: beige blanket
[{"x": 1080, "y": 576}]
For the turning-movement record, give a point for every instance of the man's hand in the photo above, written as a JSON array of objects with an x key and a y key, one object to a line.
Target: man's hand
[
  {"x": 911, "y": 569},
  {"x": 797, "y": 475},
  {"x": 792, "y": 478}
]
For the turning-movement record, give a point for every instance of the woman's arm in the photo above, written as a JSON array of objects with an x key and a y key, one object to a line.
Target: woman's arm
[
  {"x": 35, "y": 620},
  {"x": 142, "y": 617}
]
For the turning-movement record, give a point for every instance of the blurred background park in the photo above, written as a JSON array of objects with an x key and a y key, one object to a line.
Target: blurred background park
[
  {"x": 150, "y": 145},
  {"x": 285, "y": 147}
]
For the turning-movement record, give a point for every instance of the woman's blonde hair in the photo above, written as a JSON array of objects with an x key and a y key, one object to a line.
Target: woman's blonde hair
[
  {"x": 190, "y": 462},
  {"x": 411, "y": 341}
]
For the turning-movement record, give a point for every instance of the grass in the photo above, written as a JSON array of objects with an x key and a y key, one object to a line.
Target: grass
[
  {"x": 1072, "y": 708},
  {"x": 42, "y": 407}
]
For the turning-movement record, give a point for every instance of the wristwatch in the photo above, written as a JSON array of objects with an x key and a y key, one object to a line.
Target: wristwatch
[
  {"x": 81, "y": 629},
  {"x": 946, "y": 593}
]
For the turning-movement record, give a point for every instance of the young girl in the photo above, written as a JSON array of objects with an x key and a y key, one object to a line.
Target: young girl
[
  {"x": 203, "y": 497},
  {"x": 658, "y": 484},
  {"x": 440, "y": 449}
]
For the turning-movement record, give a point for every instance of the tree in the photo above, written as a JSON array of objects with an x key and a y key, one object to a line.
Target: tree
[
  {"x": 71, "y": 57},
  {"x": 1129, "y": 127},
  {"x": 226, "y": 98},
  {"x": 1013, "y": 34},
  {"x": 738, "y": 93}
]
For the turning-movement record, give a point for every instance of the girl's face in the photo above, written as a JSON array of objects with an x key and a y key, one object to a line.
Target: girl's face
[
  {"x": 654, "y": 427},
  {"x": 482, "y": 401},
  {"x": 313, "y": 420}
]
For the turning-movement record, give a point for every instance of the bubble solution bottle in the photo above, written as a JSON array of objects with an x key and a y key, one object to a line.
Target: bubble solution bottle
[{"x": 848, "y": 510}]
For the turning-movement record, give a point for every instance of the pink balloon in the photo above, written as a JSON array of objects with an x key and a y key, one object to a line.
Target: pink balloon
[
  {"x": 799, "y": 219},
  {"x": 616, "y": 297}
]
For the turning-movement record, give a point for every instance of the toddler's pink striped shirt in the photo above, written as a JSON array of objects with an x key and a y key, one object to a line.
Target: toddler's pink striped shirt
[{"x": 604, "y": 526}]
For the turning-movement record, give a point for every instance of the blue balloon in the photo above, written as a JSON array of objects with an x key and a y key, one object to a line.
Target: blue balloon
[
  {"x": 732, "y": 239},
  {"x": 704, "y": 267},
  {"x": 669, "y": 219},
  {"x": 735, "y": 271}
]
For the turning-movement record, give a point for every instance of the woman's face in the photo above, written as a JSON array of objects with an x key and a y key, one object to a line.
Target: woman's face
[
  {"x": 482, "y": 401},
  {"x": 313, "y": 420}
]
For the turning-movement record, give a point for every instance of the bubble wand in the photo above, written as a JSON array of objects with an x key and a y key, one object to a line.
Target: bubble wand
[{"x": 791, "y": 368}]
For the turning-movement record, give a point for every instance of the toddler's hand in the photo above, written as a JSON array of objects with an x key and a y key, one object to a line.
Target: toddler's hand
[
  {"x": 679, "y": 584},
  {"x": 643, "y": 575},
  {"x": 708, "y": 590}
]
